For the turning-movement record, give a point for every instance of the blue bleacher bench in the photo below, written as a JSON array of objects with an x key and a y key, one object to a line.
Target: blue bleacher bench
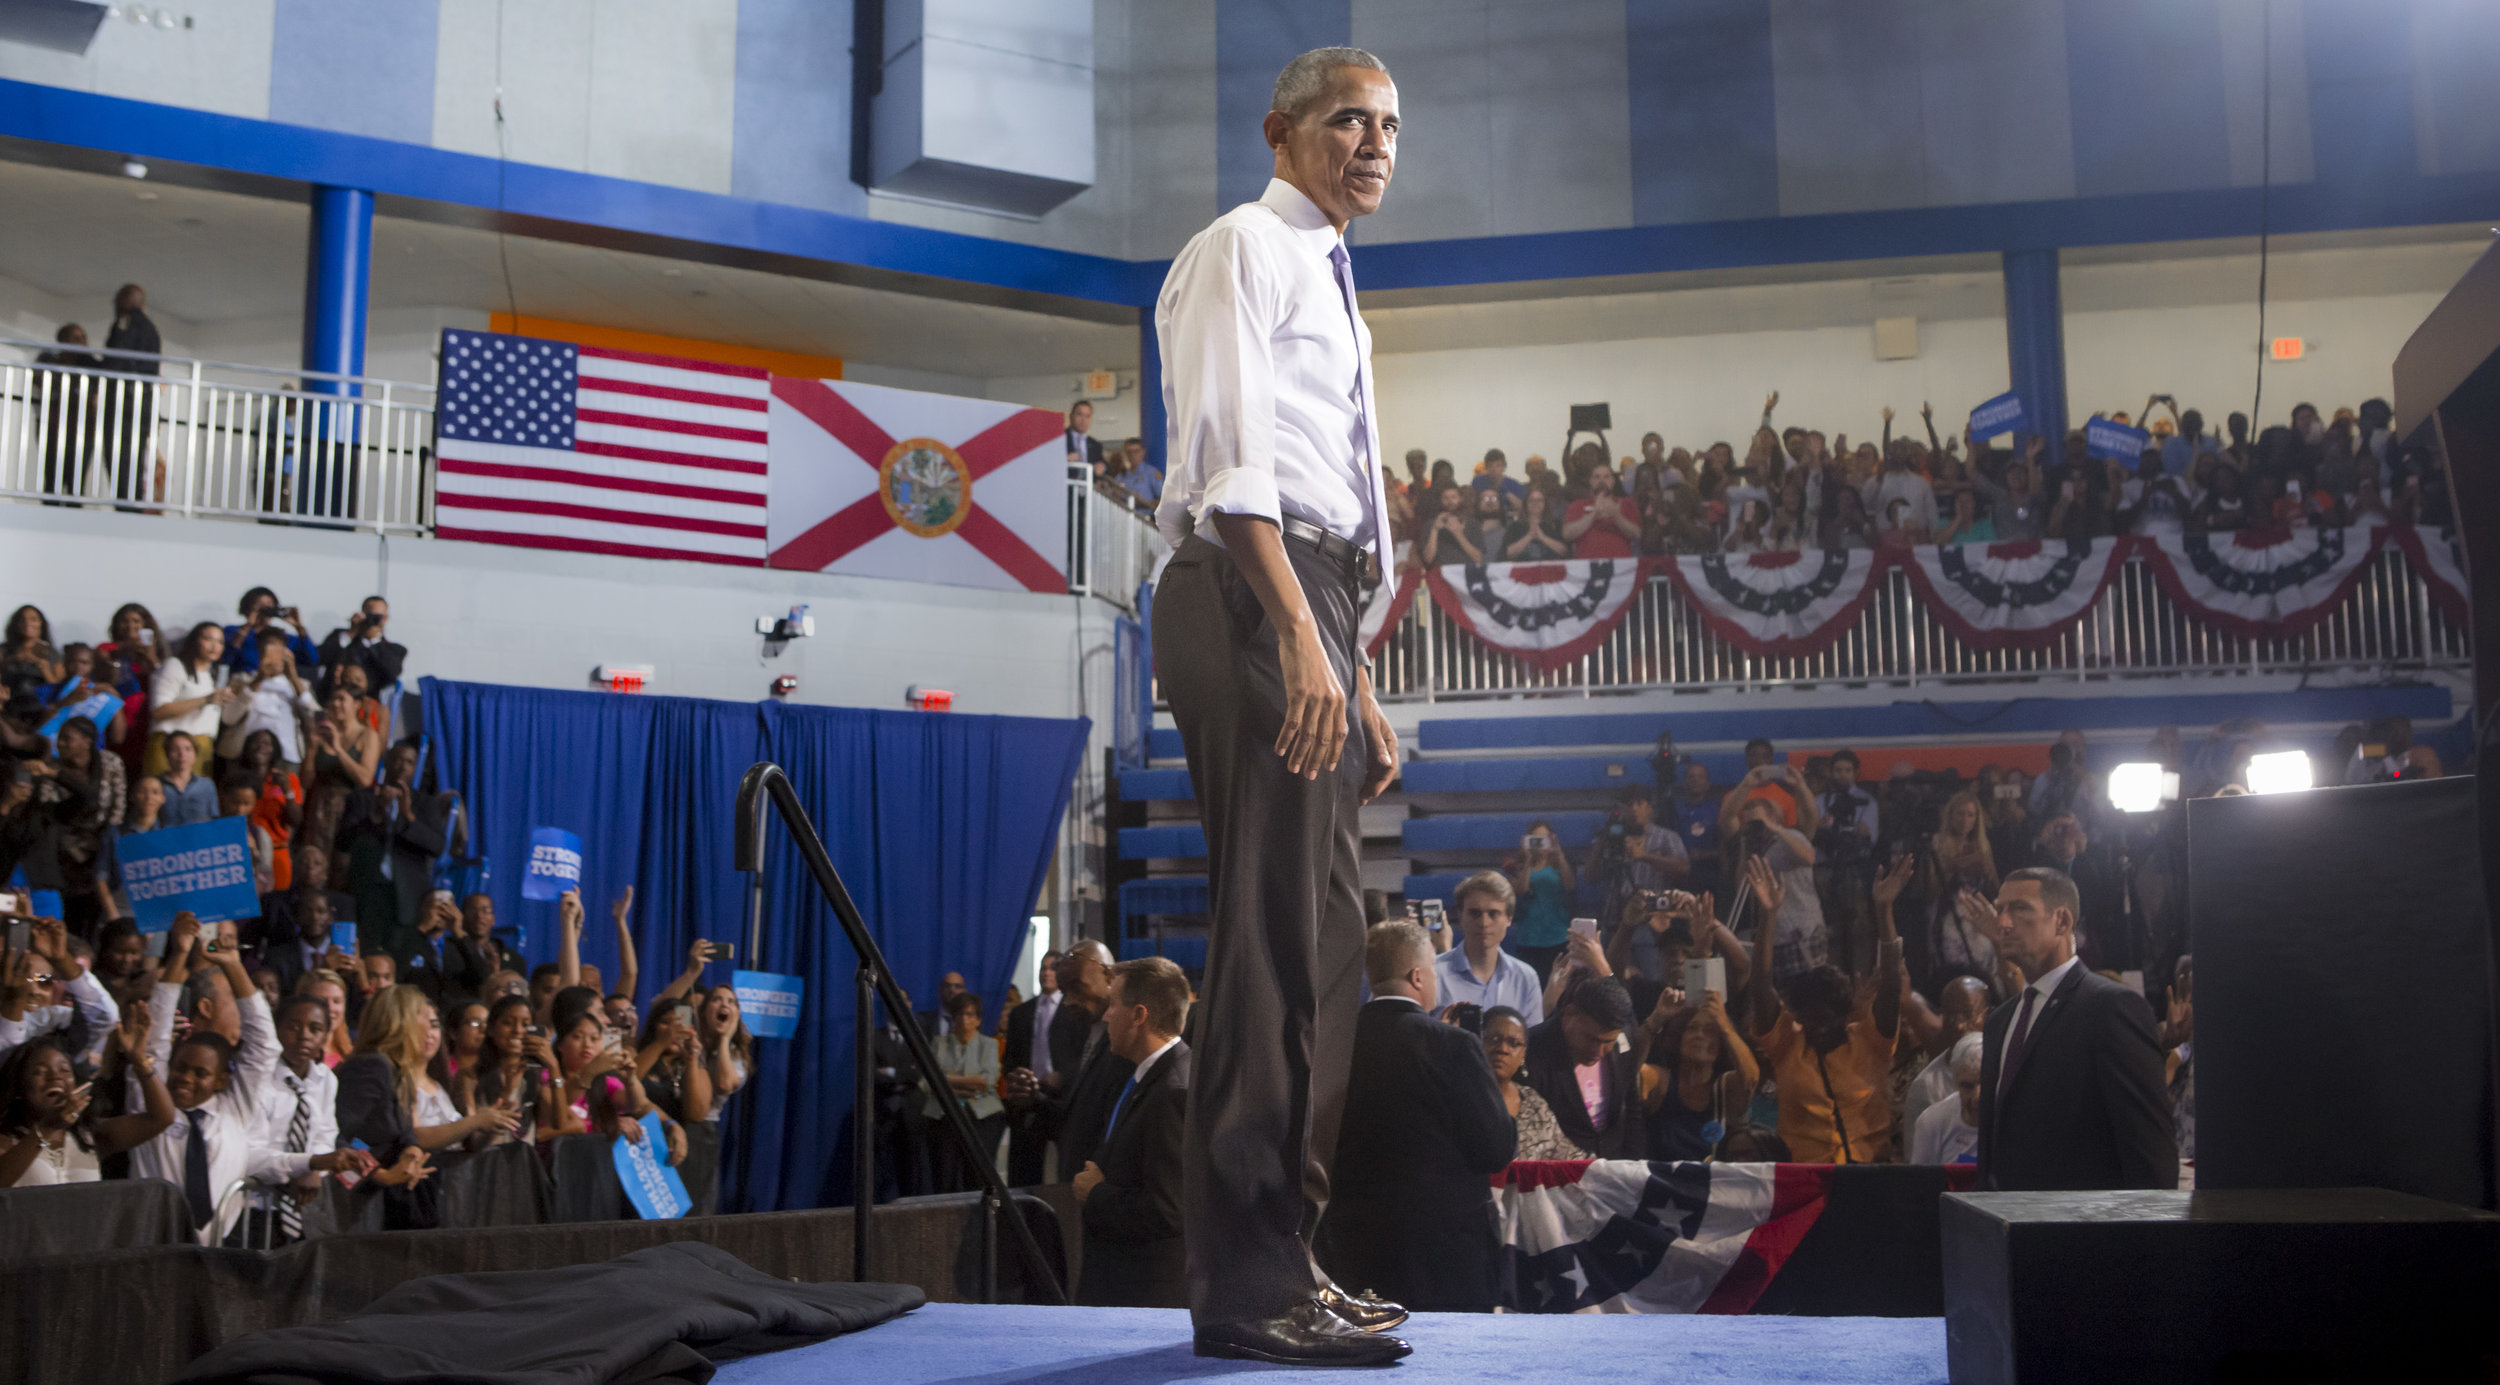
[{"x": 1180, "y": 841}]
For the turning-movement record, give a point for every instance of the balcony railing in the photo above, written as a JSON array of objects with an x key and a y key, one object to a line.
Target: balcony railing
[
  {"x": 1112, "y": 546},
  {"x": 2388, "y": 623},
  {"x": 85, "y": 426}
]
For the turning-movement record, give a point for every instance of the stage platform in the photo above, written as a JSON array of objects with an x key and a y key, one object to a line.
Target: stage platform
[{"x": 961, "y": 1342}]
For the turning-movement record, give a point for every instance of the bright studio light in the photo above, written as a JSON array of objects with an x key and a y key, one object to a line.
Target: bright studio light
[
  {"x": 2281, "y": 771},
  {"x": 2141, "y": 787}
]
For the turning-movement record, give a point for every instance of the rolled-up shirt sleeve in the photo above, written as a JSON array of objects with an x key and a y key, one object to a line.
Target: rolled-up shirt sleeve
[{"x": 1215, "y": 320}]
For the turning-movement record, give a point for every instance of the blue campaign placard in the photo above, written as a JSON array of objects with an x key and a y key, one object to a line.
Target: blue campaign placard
[
  {"x": 769, "y": 1004},
  {"x": 555, "y": 863},
  {"x": 205, "y": 868},
  {"x": 97, "y": 706},
  {"x": 2104, "y": 438},
  {"x": 654, "y": 1188},
  {"x": 2003, "y": 414}
]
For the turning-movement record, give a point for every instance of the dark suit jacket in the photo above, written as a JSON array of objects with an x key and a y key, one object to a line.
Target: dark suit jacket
[
  {"x": 1090, "y": 450},
  {"x": 388, "y": 910},
  {"x": 1549, "y": 1070},
  {"x": 369, "y": 1110},
  {"x": 467, "y": 963},
  {"x": 381, "y": 661},
  {"x": 1068, "y": 1029},
  {"x": 1133, "y": 1256},
  {"x": 2086, "y": 1108},
  {"x": 1077, "y": 1115},
  {"x": 1410, "y": 1213}
]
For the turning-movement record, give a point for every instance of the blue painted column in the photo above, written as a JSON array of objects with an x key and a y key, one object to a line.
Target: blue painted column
[
  {"x": 338, "y": 274},
  {"x": 2035, "y": 342},
  {"x": 1151, "y": 424}
]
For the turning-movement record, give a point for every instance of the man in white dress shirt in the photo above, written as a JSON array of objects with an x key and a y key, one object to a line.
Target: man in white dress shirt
[
  {"x": 1274, "y": 505},
  {"x": 215, "y": 1084}
]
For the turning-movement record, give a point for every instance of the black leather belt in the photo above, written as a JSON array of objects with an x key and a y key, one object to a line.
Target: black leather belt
[{"x": 1359, "y": 563}]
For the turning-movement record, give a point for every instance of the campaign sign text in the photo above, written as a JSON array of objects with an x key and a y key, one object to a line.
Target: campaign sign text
[
  {"x": 555, "y": 863},
  {"x": 205, "y": 868},
  {"x": 654, "y": 1188},
  {"x": 97, "y": 706},
  {"x": 2003, "y": 414},
  {"x": 769, "y": 1004},
  {"x": 2103, "y": 438}
]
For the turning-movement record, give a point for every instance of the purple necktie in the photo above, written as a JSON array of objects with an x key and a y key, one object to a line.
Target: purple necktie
[
  {"x": 1363, "y": 467},
  {"x": 2014, "y": 1041}
]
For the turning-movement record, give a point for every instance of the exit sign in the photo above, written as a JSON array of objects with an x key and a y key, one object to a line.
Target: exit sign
[
  {"x": 1101, "y": 383},
  {"x": 2289, "y": 348}
]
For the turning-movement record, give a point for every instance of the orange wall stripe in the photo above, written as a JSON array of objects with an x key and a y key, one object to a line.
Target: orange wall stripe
[{"x": 790, "y": 363}]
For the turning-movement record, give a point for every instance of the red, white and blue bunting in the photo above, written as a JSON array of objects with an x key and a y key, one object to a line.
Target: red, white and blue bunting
[
  {"x": 2011, "y": 595},
  {"x": 1625, "y": 1236},
  {"x": 1543, "y": 614},
  {"x": 2439, "y": 559},
  {"x": 1774, "y": 605},
  {"x": 2264, "y": 584},
  {"x": 1387, "y": 605}
]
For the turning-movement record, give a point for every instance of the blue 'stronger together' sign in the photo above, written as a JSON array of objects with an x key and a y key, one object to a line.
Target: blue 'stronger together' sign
[
  {"x": 555, "y": 863},
  {"x": 2104, "y": 438},
  {"x": 2003, "y": 414},
  {"x": 654, "y": 1188},
  {"x": 769, "y": 1004},
  {"x": 205, "y": 868}
]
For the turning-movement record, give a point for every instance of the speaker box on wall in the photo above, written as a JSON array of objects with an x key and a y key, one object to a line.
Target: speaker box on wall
[{"x": 2343, "y": 991}]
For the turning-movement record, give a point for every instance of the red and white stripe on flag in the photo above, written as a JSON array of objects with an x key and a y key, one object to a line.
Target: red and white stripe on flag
[
  {"x": 877, "y": 482},
  {"x": 546, "y": 444}
]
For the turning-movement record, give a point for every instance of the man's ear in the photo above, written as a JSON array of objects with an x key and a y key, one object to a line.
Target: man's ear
[{"x": 1274, "y": 129}]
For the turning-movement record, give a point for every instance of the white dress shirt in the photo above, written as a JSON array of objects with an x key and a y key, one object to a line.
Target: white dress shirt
[
  {"x": 86, "y": 996},
  {"x": 1267, "y": 381},
  {"x": 276, "y": 1102},
  {"x": 1514, "y": 984},
  {"x": 230, "y": 1120},
  {"x": 273, "y": 706}
]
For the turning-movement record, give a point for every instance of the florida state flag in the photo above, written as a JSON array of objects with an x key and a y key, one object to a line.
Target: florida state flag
[{"x": 877, "y": 482}]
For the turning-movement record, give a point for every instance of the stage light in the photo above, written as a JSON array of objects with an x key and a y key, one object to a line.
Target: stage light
[
  {"x": 2280, "y": 771},
  {"x": 132, "y": 168},
  {"x": 2141, "y": 787}
]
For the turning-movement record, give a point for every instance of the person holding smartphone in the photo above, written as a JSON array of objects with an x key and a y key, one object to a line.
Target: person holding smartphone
[
  {"x": 1542, "y": 881},
  {"x": 262, "y": 615}
]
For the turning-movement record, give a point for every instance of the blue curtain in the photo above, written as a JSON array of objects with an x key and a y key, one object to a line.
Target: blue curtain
[{"x": 941, "y": 825}]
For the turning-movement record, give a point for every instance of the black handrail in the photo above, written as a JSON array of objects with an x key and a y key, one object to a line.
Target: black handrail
[{"x": 764, "y": 781}]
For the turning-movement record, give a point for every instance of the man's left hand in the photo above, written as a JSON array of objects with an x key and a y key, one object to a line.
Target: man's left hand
[
  {"x": 1086, "y": 1179},
  {"x": 1383, "y": 739}
]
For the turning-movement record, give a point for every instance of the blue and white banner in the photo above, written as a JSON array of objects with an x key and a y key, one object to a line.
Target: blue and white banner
[
  {"x": 2106, "y": 438},
  {"x": 770, "y": 1004},
  {"x": 205, "y": 868},
  {"x": 555, "y": 863},
  {"x": 97, "y": 706},
  {"x": 2003, "y": 414},
  {"x": 654, "y": 1188}
]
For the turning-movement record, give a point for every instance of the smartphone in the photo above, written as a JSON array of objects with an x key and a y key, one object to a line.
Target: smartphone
[
  {"x": 1536, "y": 841},
  {"x": 721, "y": 952},
  {"x": 1586, "y": 928},
  {"x": 21, "y": 931},
  {"x": 1415, "y": 912},
  {"x": 1704, "y": 974},
  {"x": 1436, "y": 916}
]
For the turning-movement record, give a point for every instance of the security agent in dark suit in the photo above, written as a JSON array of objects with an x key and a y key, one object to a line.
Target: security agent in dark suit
[
  {"x": 1083, "y": 450},
  {"x": 2070, "y": 1085},
  {"x": 392, "y": 834},
  {"x": 1593, "y": 1021},
  {"x": 1411, "y": 1211},
  {"x": 1077, "y": 1113},
  {"x": 1048, "y": 1058},
  {"x": 1130, "y": 1192}
]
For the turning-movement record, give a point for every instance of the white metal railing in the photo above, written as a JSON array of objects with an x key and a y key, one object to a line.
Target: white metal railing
[
  {"x": 163, "y": 434},
  {"x": 2388, "y": 623},
  {"x": 1112, "y": 546}
]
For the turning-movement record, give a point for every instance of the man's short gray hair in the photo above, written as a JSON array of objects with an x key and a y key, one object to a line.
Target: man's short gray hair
[
  {"x": 1392, "y": 949},
  {"x": 1306, "y": 77}
]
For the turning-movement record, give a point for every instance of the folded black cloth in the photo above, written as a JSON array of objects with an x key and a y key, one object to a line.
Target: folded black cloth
[{"x": 662, "y": 1314}]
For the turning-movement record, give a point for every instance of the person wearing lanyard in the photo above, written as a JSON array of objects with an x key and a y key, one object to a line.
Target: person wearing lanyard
[{"x": 1274, "y": 505}]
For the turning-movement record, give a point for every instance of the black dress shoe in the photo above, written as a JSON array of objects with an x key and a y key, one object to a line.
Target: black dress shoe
[
  {"x": 1366, "y": 1310},
  {"x": 1305, "y": 1335}
]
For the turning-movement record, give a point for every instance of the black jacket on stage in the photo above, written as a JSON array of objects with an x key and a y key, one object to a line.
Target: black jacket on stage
[
  {"x": 1076, "y": 1115},
  {"x": 1550, "y": 1071},
  {"x": 1410, "y": 1210},
  {"x": 1028, "y": 1125},
  {"x": 1133, "y": 1254},
  {"x": 2086, "y": 1106}
]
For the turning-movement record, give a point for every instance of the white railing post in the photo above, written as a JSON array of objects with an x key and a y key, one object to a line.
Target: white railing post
[{"x": 190, "y": 452}]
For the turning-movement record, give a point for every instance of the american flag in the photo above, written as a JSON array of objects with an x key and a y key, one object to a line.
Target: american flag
[{"x": 546, "y": 444}]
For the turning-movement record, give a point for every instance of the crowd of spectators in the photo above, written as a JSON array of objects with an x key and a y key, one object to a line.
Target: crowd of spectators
[
  {"x": 369, "y": 1020},
  {"x": 1121, "y": 471},
  {"x": 1793, "y": 489}
]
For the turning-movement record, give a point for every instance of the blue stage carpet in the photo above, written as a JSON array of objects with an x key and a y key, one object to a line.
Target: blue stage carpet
[{"x": 1128, "y": 1346}]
